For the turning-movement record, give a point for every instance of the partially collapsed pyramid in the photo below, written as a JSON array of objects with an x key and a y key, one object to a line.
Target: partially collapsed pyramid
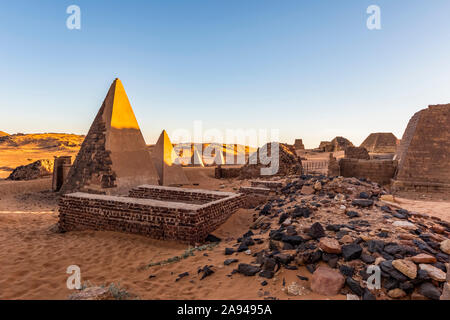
[
  {"x": 164, "y": 159},
  {"x": 424, "y": 153},
  {"x": 113, "y": 157},
  {"x": 380, "y": 142}
]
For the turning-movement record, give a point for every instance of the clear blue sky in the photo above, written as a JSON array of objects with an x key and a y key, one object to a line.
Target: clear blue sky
[{"x": 309, "y": 68}]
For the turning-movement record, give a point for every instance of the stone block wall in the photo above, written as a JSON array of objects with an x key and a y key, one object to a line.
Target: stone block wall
[
  {"x": 424, "y": 153},
  {"x": 164, "y": 220},
  {"x": 380, "y": 171},
  {"x": 173, "y": 194},
  {"x": 272, "y": 185},
  {"x": 226, "y": 173},
  {"x": 357, "y": 153},
  {"x": 92, "y": 168}
]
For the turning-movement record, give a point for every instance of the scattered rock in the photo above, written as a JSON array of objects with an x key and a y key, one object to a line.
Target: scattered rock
[
  {"x": 396, "y": 293},
  {"x": 316, "y": 231},
  {"x": 405, "y": 225},
  {"x": 351, "y": 251},
  {"x": 248, "y": 269},
  {"x": 408, "y": 268},
  {"x": 362, "y": 203},
  {"x": 229, "y": 251},
  {"x": 326, "y": 281},
  {"x": 446, "y": 292},
  {"x": 206, "y": 270},
  {"x": 317, "y": 186},
  {"x": 330, "y": 245},
  {"x": 445, "y": 246},
  {"x": 307, "y": 190},
  {"x": 428, "y": 290},
  {"x": 423, "y": 258},
  {"x": 434, "y": 273},
  {"x": 347, "y": 239},
  {"x": 354, "y": 286},
  {"x": 230, "y": 261}
]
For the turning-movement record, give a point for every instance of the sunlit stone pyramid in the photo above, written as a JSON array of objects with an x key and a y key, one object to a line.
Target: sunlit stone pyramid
[
  {"x": 113, "y": 157},
  {"x": 165, "y": 160}
]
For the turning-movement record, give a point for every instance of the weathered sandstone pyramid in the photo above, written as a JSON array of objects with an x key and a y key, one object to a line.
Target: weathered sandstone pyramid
[
  {"x": 424, "y": 152},
  {"x": 113, "y": 157},
  {"x": 164, "y": 159},
  {"x": 380, "y": 142}
]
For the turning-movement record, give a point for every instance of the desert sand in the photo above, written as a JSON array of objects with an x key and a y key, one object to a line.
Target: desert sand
[{"x": 34, "y": 257}]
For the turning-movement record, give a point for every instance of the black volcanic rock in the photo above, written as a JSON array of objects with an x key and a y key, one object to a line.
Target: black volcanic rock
[{"x": 351, "y": 251}]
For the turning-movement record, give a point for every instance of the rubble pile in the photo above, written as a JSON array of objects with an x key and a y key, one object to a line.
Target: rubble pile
[
  {"x": 35, "y": 170},
  {"x": 337, "y": 228},
  {"x": 288, "y": 161}
]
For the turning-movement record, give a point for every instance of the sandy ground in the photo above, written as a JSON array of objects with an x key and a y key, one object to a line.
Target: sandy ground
[
  {"x": 10, "y": 158},
  {"x": 34, "y": 258}
]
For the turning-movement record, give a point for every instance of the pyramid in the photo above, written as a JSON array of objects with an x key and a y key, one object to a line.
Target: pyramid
[
  {"x": 424, "y": 153},
  {"x": 164, "y": 159},
  {"x": 113, "y": 157},
  {"x": 380, "y": 142},
  {"x": 218, "y": 158},
  {"x": 196, "y": 158}
]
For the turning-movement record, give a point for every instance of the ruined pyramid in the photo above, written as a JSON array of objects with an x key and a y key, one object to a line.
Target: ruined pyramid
[
  {"x": 380, "y": 142},
  {"x": 113, "y": 157},
  {"x": 424, "y": 152},
  {"x": 164, "y": 159}
]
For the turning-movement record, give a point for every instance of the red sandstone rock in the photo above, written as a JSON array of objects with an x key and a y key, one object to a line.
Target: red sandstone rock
[
  {"x": 423, "y": 258},
  {"x": 330, "y": 245},
  {"x": 307, "y": 190},
  {"x": 327, "y": 281}
]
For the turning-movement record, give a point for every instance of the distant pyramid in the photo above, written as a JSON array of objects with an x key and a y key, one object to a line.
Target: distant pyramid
[
  {"x": 165, "y": 159},
  {"x": 380, "y": 142},
  {"x": 196, "y": 158},
  {"x": 113, "y": 157}
]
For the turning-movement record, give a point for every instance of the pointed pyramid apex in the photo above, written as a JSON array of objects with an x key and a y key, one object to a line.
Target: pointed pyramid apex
[
  {"x": 122, "y": 115},
  {"x": 115, "y": 147}
]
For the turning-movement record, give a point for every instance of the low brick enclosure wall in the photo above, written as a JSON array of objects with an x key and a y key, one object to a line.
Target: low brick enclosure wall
[
  {"x": 254, "y": 196},
  {"x": 272, "y": 185},
  {"x": 380, "y": 171},
  {"x": 164, "y": 220},
  {"x": 173, "y": 194}
]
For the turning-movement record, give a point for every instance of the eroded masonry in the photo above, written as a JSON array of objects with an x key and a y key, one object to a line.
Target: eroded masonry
[{"x": 165, "y": 213}]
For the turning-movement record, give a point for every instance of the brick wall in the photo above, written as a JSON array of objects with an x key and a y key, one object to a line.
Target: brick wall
[
  {"x": 165, "y": 220},
  {"x": 357, "y": 153},
  {"x": 193, "y": 196},
  {"x": 226, "y": 173},
  {"x": 380, "y": 171},
  {"x": 272, "y": 185},
  {"x": 92, "y": 167}
]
